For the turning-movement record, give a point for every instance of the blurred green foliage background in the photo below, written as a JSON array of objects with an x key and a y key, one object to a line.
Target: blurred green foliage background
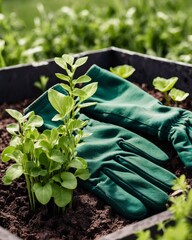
[{"x": 36, "y": 30}]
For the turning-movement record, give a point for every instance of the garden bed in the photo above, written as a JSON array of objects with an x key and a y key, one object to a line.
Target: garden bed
[{"x": 89, "y": 217}]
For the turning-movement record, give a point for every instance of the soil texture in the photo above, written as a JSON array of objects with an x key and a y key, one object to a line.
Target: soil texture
[{"x": 89, "y": 218}]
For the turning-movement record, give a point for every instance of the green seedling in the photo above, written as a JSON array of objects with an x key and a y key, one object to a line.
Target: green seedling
[
  {"x": 23, "y": 152},
  {"x": 165, "y": 85},
  {"x": 41, "y": 84},
  {"x": 179, "y": 226},
  {"x": 144, "y": 235},
  {"x": 123, "y": 71},
  {"x": 178, "y": 95},
  {"x": 49, "y": 160}
]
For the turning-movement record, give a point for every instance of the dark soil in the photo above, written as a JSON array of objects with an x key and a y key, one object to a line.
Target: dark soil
[{"x": 89, "y": 217}]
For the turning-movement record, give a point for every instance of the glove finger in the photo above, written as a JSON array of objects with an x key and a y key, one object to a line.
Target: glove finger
[
  {"x": 153, "y": 173},
  {"x": 144, "y": 148},
  {"x": 189, "y": 130},
  {"x": 182, "y": 144},
  {"x": 150, "y": 195},
  {"x": 110, "y": 192}
]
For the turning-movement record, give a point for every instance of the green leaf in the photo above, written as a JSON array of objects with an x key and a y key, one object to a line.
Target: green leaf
[
  {"x": 69, "y": 180},
  {"x": 68, "y": 59},
  {"x": 123, "y": 71},
  {"x": 80, "y": 61},
  {"x": 57, "y": 178},
  {"x": 62, "y": 196},
  {"x": 178, "y": 95},
  {"x": 57, "y": 156},
  {"x": 87, "y": 104},
  {"x": 43, "y": 193},
  {"x": 80, "y": 93},
  {"x": 89, "y": 89},
  {"x": 144, "y": 235},
  {"x": 163, "y": 84},
  {"x": 15, "y": 141},
  {"x": 37, "y": 171},
  {"x": 15, "y": 114},
  {"x": 180, "y": 183},
  {"x": 55, "y": 166},
  {"x": 44, "y": 80},
  {"x": 2, "y": 45},
  {"x": 17, "y": 156},
  {"x": 62, "y": 104},
  {"x": 37, "y": 85},
  {"x": 35, "y": 121},
  {"x": 6, "y": 180},
  {"x": 28, "y": 146},
  {"x": 86, "y": 91},
  {"x": 181, "y": 231},
  {"x": 13, "y": 172},
  {"x": 41, "y": 83},
  {"x": 82, "y": 79},
  {"x": 82, "y": 174},
  {"x": 5, "y": 156},
  {"x": 77, "y": 124},
  {"x": 13, "y": 128},
  {"x": 63, "y": 77},
  {"x": 44, "y": 160},
  {"x": 57, "y": 117},
  {"x": 28, "y": 115},
  {"x": 78, "y": 163},
  {"x": 60, "y": 62},
  {"x": 66, "y": 87},
  {"x": 28, "y": 166},
  {"x": 44, "y": 144}
]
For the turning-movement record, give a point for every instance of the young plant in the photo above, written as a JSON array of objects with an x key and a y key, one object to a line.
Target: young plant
[
  {"x": 165, "y": 85},
  {"x": 68, "y": 110},
  {"x": 41, "y": 83},
  {"x": 179, "y": 226},
  {"x": 178, "y": 95},
  {"x": 49, "y": 160},
  {"x": 22, "y": 151},
  {"x": 123, "y": 71}
]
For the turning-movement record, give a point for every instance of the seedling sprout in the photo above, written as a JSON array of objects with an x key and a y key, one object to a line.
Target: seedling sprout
[
  {"x": 178, "y": 95},
  {"x": 164, "y": 85},
  {"x": 123, "y": 71}
]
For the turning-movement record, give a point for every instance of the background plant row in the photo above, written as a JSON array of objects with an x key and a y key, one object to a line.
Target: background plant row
[{"x": 159, "y": 28}]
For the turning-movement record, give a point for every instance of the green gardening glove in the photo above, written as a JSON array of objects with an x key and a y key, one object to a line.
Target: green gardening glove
[
  {"x": 123, "y": 166},
  {"x": 122, "y": 103}
]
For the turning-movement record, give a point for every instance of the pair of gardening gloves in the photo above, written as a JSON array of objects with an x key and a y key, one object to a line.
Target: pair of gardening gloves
[{"x": 125, "y": 168}]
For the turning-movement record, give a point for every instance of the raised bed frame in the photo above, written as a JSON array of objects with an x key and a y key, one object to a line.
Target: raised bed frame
[{"x": 17, "y": 83}]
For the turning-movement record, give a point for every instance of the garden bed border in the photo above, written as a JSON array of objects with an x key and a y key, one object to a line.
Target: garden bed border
[{"x": 17, "y": 83}]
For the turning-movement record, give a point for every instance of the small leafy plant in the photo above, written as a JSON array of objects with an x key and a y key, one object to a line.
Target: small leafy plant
[
  {"x": 179, "y": 226},
  {"x": 49, "y": 160},
  {"x": 166, "y": 86},
  {"x": 178, "y": 95},
  {"x": 123, "y": 71},
  {"x": 41, "y": 84}
]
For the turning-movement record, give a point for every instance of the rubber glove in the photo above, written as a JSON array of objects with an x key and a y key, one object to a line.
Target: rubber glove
[
  {"x": 123, "y": 103},
  {"x": 122, "y": 165}
]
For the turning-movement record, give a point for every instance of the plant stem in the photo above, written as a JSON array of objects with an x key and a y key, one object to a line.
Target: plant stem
[
  {"x": 167, "y": 99},
  {"x": 30, "y": 194}
]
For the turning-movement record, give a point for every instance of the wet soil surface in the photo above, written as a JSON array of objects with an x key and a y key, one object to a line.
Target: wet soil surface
[{"x": 89, "y": 218}]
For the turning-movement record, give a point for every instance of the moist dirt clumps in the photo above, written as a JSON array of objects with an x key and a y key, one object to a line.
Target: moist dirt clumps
[{"x": 89, "y": 218}]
